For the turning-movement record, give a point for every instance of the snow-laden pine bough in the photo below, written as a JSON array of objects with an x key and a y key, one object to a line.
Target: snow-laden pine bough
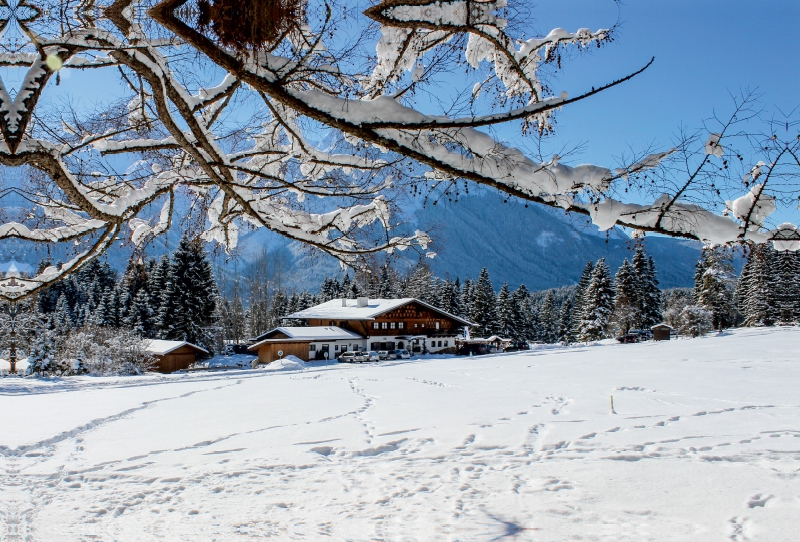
[{"x": 310, "y": 118}]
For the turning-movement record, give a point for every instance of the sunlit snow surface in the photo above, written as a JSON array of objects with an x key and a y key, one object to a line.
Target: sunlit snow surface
[{"x": 705, "y": 446}]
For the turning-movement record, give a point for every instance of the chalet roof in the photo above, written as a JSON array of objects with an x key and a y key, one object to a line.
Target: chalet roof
[
  {"x": 334, "y": 310},
  {"x": 160, "y": 347},
  {"x": 308, "y": 334}
]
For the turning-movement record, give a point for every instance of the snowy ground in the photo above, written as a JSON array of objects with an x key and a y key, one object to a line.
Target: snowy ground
[{"x": 705, "y": 446}]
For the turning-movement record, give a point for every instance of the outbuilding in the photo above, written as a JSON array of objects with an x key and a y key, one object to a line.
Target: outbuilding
[
  {"x": 173, "y": 356},
  {"x": 661, "y": 332},
  {"x": 307, "y": 343}
]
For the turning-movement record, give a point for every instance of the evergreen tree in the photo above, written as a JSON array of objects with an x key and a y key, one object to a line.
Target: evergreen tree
[
  {"x": 716, "y": 287},
  {"x": 548, "y": 319},
  {"x": 648, "y": 295},
  {"x": 699, "y": 270},
  {"x": 420, "y": 283},
  {"x": 505, "y": 312},
  {"x": 787, "y": 287},
  {"x": 627, "y": 301},
  {"x": 157, "y": 281},
  {"x": 107, "y": 313},
  {"x": 447, "y": 297},
  {"x": 386, "y": 284},
  {"x": 742, "y": 292},
  {"x": 42, "y": 351},
  {"x": 651, "y": 298},
  {"x": 598, "y": 304},
  {"x": 521, "y": 326},
  {"x": 565, "y": 321},
  {"x": 577, "y": 304},
  {"x": 190, "y": 297},
  {"x": 355, "y": 291},
  {"x": 306, "y": 301},
  {"x": 134, "y": 279},
  {"x": 484, "y": 306},
  {"x": 330, "y": 290},
  {"x": 62, "y": 320},
  {"x": 347, "y": 287},
  {"x": 760, "y": 306},
  {"x": 467, "y": 299},
  {"x": 140, "y": 316}
]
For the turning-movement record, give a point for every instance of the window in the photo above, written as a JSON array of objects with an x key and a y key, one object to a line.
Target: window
[
  {"x": 445, "y": 343},
  {"x": 312, "y": 348},
  {"x": 400, "y": 325},
  {"x": 415, "y": 325},
  {"x": 374, "y": 325},
  {"x": 391, "y": 326},
  {"x": 437, "y": 324},
  {"x": 423, "y": 325},
  {"x": 384, "y": 325},
  {"x": 336, "y": 347},
  {"x": 440, "y": 343},
  {"x": 331, "y": 323}
]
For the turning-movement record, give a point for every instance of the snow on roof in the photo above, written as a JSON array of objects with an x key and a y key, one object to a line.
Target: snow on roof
[
  {"x": 662, "y": 325},
  {"x": 334, "y": 310},
  {"x": 160, "y": 347},
  {"x": 316, "y": 333},
  {"x": 491, "y": 339}
]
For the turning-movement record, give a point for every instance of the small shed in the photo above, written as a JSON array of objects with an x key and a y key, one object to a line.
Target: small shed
[
  {"x": 661, "y": 332},
  {"x": 173, "y": 356}
]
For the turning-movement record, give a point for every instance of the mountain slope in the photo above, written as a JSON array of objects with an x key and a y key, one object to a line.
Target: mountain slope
[{"x": 537, "y": 246}]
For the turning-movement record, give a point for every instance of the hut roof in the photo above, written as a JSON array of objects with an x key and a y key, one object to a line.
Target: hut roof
[
  {"x": 159, "y": 347},
  {"x": 662, "y": 325}
]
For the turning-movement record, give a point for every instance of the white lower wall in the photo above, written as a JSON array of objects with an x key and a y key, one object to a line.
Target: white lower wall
[
  {"x": 337, "y": 347},
  {"x": 431, "y": 344}
]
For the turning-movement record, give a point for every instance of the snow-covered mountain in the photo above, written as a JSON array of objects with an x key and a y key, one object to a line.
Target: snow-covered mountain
[{"x": 539, "y": 247}]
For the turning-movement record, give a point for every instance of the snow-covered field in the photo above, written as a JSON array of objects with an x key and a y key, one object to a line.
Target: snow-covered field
[{"x": 705, "y": 446}]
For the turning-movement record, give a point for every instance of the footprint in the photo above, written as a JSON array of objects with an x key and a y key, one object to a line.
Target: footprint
[
  {"x": 322, "y": 450},
  {"x": 760, "y": 499},
  {"x": 554, "y": 484},
  {"x": 467, "y": 441},
  {"x": 740, "y": 528}
]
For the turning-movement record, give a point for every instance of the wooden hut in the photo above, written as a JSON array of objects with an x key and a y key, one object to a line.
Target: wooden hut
[
  {"x": 173, "y": 356},
  {"x": 661, "y": 332}
]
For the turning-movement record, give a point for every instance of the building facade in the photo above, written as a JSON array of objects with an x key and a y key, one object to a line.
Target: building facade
[{"x": 340, "y": 325}]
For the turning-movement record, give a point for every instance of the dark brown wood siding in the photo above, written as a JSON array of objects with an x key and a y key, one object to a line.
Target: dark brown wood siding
[
  {"x": 176, "y": 360},
  {"x": 410, "y": 314},
  {"x": 661, "y": 334},
  {"x": 269, "y": 352}
]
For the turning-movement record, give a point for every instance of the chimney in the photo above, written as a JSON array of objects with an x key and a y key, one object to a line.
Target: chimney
[
  {"x": 344, "y": 302},
  {"x": 362, "y": 302}
]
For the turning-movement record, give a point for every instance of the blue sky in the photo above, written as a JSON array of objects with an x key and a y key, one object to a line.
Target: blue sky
[{"x": 704, "y": 50}]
